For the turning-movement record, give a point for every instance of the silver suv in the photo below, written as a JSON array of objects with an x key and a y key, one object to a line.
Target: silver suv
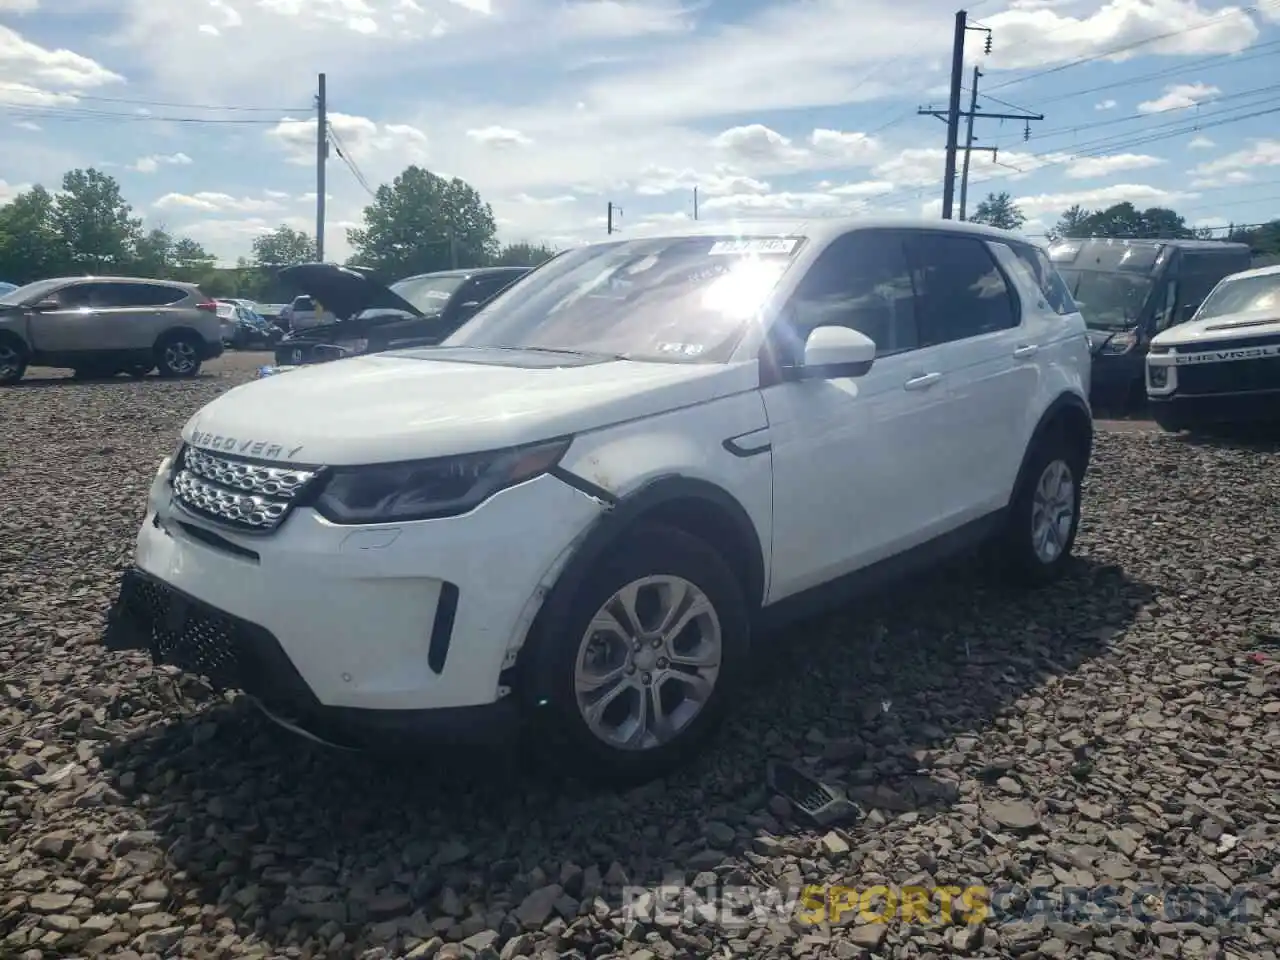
[{"x": 101, "y": 326}]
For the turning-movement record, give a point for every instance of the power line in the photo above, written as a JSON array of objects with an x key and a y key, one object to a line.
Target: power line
[
  {"x": 1125, "y": 48},
  {"x": 1195, "y": 66},
  {"x": 345, "y": 156},
  {"x": 33, "y": 112},
  {"x": 232, "y": 108}
]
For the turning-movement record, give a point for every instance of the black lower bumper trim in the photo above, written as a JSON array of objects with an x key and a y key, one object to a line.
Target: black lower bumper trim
[
  {"x": 181, "y": 631},
  {"x": 380, "y": 731},
  {"x": 1216, "y": 409}
]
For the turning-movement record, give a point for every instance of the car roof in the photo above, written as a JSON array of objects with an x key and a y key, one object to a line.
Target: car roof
[
  {"x": 1270, "y": 271},
  {"x": 822, "y": 229},
  {"x": 112, "y": 279}
]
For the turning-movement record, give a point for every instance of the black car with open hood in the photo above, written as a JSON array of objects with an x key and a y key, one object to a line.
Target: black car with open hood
[{"x": 373, "y": 317}]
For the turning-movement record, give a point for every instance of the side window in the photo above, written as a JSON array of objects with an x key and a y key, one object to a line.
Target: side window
[
  {"x": 963, "y": 293},
  {"x": 92, "y": 296},
  {"x": 145, "y": 294},
  {"x": 862, "y": 280},
  {"x": 1046, "y": 278},
  {"x": 486, "y": 287}
]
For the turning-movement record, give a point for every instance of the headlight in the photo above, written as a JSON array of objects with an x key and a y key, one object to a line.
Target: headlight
[
  {"x": 1122, "y": 342},
  {"x": 422, "y": 489}
]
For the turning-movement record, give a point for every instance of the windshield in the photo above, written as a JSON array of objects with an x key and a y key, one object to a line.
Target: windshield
[
  {"x": 1246, "y": 295},
  {"x": 669, "y": 299},
  {"x": 1108, "y": 301},
  {"x": 428, "y": 294},
  {"x": 31, "y": 292}
]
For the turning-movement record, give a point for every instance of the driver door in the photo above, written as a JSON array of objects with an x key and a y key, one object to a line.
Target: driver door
[{"x": 858, "y": 463}]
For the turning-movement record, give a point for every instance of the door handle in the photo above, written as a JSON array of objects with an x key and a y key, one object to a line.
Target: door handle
[
  {"x": 922, "y": 382},
  {"x": 1026, "y": 350}
]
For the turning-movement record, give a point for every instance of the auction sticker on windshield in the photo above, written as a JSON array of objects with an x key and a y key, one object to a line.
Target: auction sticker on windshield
[{"x": 784, "y": 246}]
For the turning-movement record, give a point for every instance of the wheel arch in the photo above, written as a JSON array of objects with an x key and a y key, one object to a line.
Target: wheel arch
[
  {"x": 1068, "y": 415},
  {"x": 174, "y": 332},
  {"x": 697, "y": 507}
]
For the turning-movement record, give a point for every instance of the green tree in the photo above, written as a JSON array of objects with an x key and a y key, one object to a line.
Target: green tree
[
  {"x": 523, "y": 255},
  {"x": 283, "y": 247},
  {"x": 190, "y": 259},
  {"x": 153, "y": 254},
  {"x": 30, "y": 246},
  {"x": 999, "y": 210},
  {"x": 94, "y": 222},
  {"x": 1125, "y": 221},
  {"x": 421, "y": 223},
  {"x": 1264, "y": 240},
  {"x": 1071, "y": 224}
]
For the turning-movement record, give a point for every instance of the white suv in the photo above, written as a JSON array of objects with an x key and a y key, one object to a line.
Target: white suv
[{"x": 581, "y": 510}]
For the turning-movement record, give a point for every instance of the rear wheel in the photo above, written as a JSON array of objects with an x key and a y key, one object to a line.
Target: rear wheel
[
  {"x": 1045, "y": 513},
  {"x": 13, "y": 361},
  {"x": 178, "y": 355},
  {"x": 643, "y": 662}
]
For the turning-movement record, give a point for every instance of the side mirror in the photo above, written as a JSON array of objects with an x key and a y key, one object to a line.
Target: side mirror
[
  {"x": 49, "y": 303},
  {"x": 833, "y": 351}
]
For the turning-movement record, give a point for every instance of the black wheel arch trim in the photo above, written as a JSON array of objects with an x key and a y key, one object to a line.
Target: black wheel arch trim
[
  {"x": 1063, "y": 402},
  {"x": 625, "y": 511}
]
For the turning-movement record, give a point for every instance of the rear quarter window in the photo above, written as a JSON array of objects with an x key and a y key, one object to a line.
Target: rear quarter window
[{"x": 1046, "y": 278}]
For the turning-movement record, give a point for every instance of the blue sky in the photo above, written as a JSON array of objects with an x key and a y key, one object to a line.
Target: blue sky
[{"x": 552, "y": 108}]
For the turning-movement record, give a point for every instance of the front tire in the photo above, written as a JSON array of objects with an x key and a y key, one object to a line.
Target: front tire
[
  {"x": 1044, "y": 515},
  {"x": 178, "y": 356},
  {"x": 13, "y": 361},
  {"x": 638, "y": 669}
]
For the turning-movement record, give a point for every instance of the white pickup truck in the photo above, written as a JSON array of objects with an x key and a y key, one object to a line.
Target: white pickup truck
[{"x": 304, "y": 313}]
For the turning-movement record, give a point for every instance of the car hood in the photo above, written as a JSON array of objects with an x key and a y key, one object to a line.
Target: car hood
[
  {"x": 352, "y": 327},
  {"x": 442, "y": 401},
  {"x": 344, "y": 291},
  {"x": 1230, "y": 326}
]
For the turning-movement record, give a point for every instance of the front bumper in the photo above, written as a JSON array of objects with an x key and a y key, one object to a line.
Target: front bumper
[
  {"x": 1239, "y": 391},
  {"x": 1113, "y": 375},
  {"x": 316, "y": 618}
]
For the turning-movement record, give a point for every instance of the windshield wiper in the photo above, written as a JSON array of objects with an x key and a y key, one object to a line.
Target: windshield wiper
[{"x": 565, "y": 352}]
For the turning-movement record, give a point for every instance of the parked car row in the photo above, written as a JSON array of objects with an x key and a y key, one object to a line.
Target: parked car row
[
  {"x": 369, "y": 317},
  {"x": 244, "y": 328}
]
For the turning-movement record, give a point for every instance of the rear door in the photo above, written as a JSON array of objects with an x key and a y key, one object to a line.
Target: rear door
[
  {"x": 136, "y": 314},
  {"x": 971, "y": 308}
]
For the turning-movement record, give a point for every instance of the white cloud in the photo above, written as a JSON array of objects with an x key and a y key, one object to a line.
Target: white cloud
[
  {"x": 1260, "y": 153},
  {"x": 28, "y": 125},
  {"x": 10, "y": 190},
  {"x": 1105, "y": 105},
  {"x": 211, "y": 202},
  {"x": 1179, "y": 97},
  {"x": 1036, "y": 36},
  {"x": 1233, "y": 178},
  {"x": 1087, "y": 167},
  {"x": 18, "y": 6},
  {"x": 25, "y": 95},
  {"x": 154, "y": 162},
  {"x": 23, "y": 62},
  {"x": 358, "y": 137},
  {"x": 1140, "y": 195},
  {"x": 1200, "y": 143},
  {"x": 499, "y": 137}
]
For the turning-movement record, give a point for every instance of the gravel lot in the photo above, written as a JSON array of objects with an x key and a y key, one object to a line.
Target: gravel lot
[{"x": 1120, "y": 728}]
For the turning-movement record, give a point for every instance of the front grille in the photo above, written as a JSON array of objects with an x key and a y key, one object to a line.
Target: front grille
[
  {"x": 1237, "y": 376},
  {"x": 237, "y": 492},
  {"x": 1208, "y": 346},
  {"x": 180, "y": 631}
]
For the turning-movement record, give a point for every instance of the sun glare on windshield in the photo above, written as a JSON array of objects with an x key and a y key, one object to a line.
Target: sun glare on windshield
[{"x": 738, "y": 292}]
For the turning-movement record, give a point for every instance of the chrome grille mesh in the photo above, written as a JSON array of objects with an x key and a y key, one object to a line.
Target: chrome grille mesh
[{"x": 237, "y": 492}]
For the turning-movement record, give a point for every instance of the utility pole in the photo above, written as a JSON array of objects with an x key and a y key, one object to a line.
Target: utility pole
[
  {"x": 953, "y": 114},
  {"x": 322, "y": 154},
  {"x": 612, "y": 208},
  {"x": 695, "y": 203},
  {"x": 968, "y": 141},
  {"x": 453, "y": 248}
]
